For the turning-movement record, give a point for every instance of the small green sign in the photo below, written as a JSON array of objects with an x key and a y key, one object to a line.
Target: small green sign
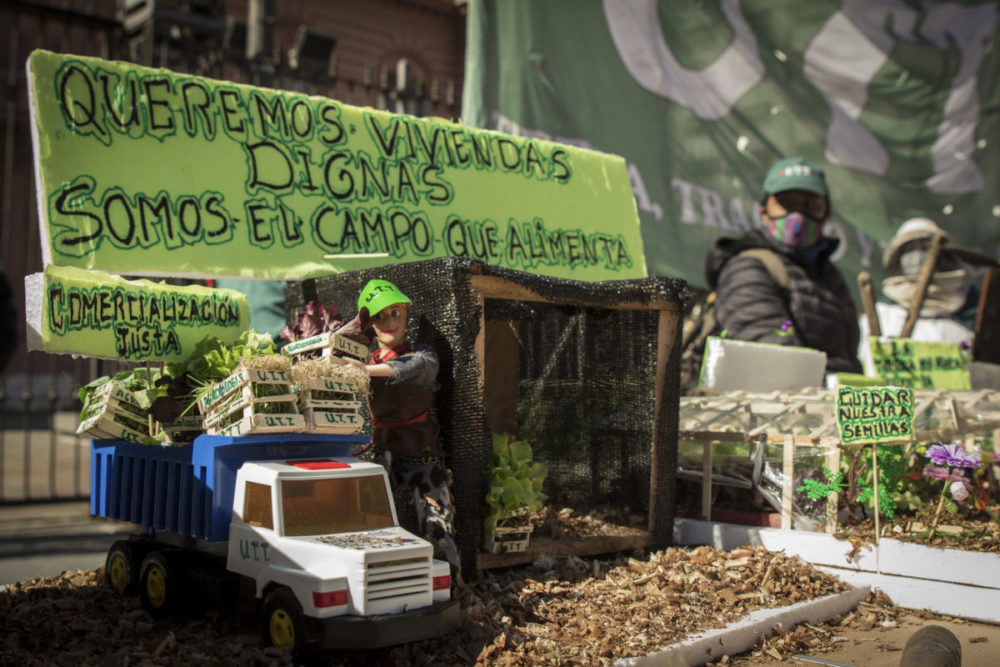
[
  {"x": 904, "y": 362},
  {"x": 100, "y": 315},
  {"x": 874, "y": 414}
]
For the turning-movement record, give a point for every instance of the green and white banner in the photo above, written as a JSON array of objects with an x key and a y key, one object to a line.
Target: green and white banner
[
  {"x": 899, "y": 102},
  {"x": 150, "y": 172}
]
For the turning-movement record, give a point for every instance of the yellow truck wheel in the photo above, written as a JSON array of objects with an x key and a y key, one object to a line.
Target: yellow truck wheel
[
  {"x": 120, "y": 568},
  {"x": 158, "y": 585},
  {"x": 282, "y": 623}
]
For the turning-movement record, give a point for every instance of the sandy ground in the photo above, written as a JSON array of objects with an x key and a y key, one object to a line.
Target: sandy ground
[{"x": 883, "y": 647}]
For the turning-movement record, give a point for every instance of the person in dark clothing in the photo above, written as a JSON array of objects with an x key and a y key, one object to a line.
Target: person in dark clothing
[
  {"x": 405, "y": 439},
  {"x": 815, "y": 309}
]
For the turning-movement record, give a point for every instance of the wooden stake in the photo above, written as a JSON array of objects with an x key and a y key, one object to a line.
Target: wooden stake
[
  {"x": 937, "y": 512},
  {"x": 868, "y": 301},
  {"x": 833, "y": 500},
  {"x": 788, "y": 484},
  {"x": 878, "y": 570},
  {"x": 923, "y": 280},
  {"x": 149, "y": 385},
  {"x": 706, "y": 479}
]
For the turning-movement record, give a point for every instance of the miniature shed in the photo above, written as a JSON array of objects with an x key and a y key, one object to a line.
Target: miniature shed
[
  {"x": 800, "y": 428},
  {"x": 588, "y": 373}
]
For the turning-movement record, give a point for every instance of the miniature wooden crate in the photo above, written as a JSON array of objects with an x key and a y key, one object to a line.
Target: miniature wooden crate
[
  {"x": 328, "y": 343},
  {"x": 510, "y": 534},
  {"x": 115, "y": 415},
  {"x": 341, "y": 415},
  {"x": 231, "y": 407},
  {"x": 182, "y": 430}
]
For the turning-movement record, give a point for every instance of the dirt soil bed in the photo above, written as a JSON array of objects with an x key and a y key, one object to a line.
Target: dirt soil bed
[
  {"x": 569, "y": 611},
  {"x": 951, "y": 533},
  {"x": 557, "y": 611}
]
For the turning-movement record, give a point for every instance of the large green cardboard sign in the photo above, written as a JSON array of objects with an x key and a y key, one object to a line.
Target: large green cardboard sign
[
  {"x": 150, "y": 172},
  {"x": 100, "y": 315},
  {"x": 874, "y": 414},
  {"x": 906, "y": 362}
]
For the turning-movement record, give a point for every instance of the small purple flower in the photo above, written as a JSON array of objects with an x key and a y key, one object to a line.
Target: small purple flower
[
  {"x": 965, "y": 346},
  {"x": 954, "y": 456},
  {"x": 936, "y": 472},
  {"x": 959, "y": 490},
  {"x": 786, "y": 329},
  {"x": 943, "y": 473}
]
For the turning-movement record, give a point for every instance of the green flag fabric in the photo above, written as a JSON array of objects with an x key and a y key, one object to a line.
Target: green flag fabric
[{"x": 898, "y": 102}]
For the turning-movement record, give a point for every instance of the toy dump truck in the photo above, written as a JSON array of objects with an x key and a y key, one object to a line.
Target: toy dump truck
[{"x": 286, "y": 530}]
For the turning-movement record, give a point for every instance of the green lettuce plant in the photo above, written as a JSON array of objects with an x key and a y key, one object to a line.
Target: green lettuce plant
[
  {"x": 211, "y": 361},
  {"x": 134, "y": 380},
  {"x": 515, "y": 481},
  {"x": 172, "y": 391}
]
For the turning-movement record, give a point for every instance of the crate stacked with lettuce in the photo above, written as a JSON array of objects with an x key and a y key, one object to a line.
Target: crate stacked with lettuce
[
  {"x": 247, "y": 387},
  {"x": 256, "y": 398}
]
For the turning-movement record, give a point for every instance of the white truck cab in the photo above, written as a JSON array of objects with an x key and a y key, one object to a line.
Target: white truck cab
[{"x": 327, "y": 530}]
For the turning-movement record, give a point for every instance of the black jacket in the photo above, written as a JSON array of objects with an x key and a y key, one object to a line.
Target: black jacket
[{"x": 752, "y": 306}]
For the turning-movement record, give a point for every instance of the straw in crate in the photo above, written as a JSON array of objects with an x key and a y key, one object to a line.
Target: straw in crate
[{"x": 330, "y": 394}]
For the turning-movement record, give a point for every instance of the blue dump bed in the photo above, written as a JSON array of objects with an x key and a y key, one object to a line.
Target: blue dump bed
[{"x": 188, "y": 489}]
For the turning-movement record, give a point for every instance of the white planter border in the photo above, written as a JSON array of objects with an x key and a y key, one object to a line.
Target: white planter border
[{"x": 744, "y": 634}]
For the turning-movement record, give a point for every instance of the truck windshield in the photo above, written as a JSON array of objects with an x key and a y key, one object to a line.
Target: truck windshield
[{"x": 338, "y": 505}]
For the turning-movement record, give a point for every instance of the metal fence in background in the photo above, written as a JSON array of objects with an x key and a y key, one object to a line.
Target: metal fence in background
[{"x": 40, "y": 456}]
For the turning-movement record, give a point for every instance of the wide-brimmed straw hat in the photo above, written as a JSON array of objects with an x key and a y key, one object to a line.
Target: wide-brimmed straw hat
[{"x": 916, "y": 229}]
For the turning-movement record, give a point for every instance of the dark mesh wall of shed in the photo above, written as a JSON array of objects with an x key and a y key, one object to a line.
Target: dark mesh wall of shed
[
  {"x": 575, "y": 378},
  {"x": 584, "y": 401}
]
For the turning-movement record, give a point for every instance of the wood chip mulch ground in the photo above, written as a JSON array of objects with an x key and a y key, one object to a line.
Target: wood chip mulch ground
[{"x": 568, "y": 611}]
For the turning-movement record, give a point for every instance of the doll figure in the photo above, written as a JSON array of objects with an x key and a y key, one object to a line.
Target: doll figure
[{"x": 405, "y": 439}]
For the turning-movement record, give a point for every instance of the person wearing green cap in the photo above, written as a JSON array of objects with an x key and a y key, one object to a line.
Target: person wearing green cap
[
  {"x": 810, "y": 305},
  {"x": 405, "y": 438}
]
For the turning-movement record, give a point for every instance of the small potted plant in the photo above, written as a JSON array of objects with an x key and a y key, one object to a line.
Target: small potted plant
[{"x": 515, "y": 491}]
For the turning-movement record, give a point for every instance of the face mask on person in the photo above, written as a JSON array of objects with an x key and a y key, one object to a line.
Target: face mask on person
[
  {"x": 794, "y": 230},
  {"x": 795, "y": 217}
]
